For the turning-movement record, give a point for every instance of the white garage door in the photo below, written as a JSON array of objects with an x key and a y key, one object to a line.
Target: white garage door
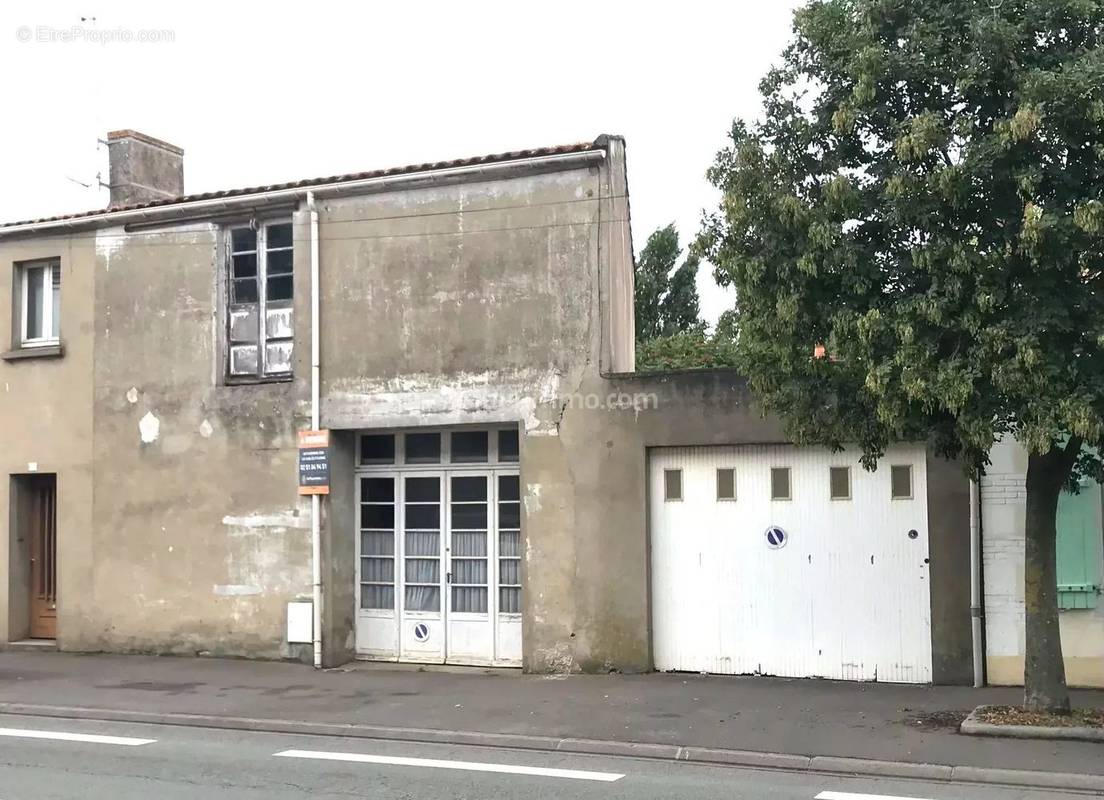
[{"x": 796, "y": 562}]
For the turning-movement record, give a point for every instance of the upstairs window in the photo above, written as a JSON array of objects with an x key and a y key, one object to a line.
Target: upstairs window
[
  {"x": 38, "y": 293},
  {"x": 260, "y": 293}
]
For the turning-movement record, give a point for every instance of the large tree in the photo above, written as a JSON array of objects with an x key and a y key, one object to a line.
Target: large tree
[
  {"x": 923, "y": 197},
  {"x": 666, "y": 295}
]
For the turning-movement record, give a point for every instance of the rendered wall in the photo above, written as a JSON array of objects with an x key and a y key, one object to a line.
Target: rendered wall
[
  {"x": 1003, "y": 510},
  {"x": 46, "y": 408}
]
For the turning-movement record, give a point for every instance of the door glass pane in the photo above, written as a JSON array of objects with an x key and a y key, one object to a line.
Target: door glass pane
[
  {"x": 469, "y": 599},
  {"x": 510, "y": 574},
  {"x": 376, "y": 515},
  {"x": 466, "y": 544},
  {"x": 423, "y": 598},
  {"x": 422, "y": 526},
  {"x": 377, "y": 596},
  {"x": 471, "y": 571},
  {"x": 509, "y": 515},
  {"x": 423, "y": 516},
  {"x": 422, "y": 570},
  {"x": 509, "y": 544},
  {"x": 423, "y": 543},
  {"x": 376, "y": 570},
  {"x": 423, "y": 490},
  {"x": 377, "y": 543},
  {"x": 468, "y": 516},
  {"x": 377, "y": 490},
  {"x": 509, "y": 600},
  {"x": 469, "y": 489}
]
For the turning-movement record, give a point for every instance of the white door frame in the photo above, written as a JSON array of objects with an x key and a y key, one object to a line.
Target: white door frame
[{"x": 387, "y": 635}]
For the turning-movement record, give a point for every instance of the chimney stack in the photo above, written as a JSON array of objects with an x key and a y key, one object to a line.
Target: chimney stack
[{"x": 143, "y": 169}]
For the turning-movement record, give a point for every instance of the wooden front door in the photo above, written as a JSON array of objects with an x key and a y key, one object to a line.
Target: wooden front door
[{"x": 42, "y": 522}]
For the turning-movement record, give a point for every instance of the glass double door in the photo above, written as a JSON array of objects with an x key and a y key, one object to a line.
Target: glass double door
[{"x": 439, "y": 567}]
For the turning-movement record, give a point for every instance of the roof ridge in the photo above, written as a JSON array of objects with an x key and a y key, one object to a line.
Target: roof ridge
[{"x": 306, "y": 183}]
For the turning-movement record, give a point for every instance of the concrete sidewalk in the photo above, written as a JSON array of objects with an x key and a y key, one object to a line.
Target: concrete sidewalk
[{"x": 906, "y": 725}]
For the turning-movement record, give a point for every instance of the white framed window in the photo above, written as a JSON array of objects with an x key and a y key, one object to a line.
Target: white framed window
[
  {"x": 430, "y": 447},
  {"x": 39, "y": 298},
  {"x": 260, "y": 296}
]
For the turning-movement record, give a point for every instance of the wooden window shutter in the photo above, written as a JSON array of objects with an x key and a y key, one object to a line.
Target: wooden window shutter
[{"x": 1080, "y": 536}]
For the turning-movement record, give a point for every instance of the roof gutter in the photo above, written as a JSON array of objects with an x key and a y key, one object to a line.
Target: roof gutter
[{"x": 221, "y": 205}]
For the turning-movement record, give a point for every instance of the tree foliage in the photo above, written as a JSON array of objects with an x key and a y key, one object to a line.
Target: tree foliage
[
  {"x": 687, "y": 350},
  {"x": 666, "y": 297},
  {"x": 924, "y": 196}
]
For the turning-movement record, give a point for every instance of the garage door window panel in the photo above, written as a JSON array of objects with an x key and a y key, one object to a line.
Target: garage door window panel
[
  {"x": 672, "y": 484},
  {"x": 900, "y": 478},
  {"x": 726, "y": 484},
  {"x": 839, "y": 483},
  {"x": 780, "y": 483}
]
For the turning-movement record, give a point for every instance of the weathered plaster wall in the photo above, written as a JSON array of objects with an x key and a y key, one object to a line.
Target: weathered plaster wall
[
  {"x": 339, "y": 553},
  {"x": 450, "y": 303},
  {"x": 46, "y": 405},
  {"x": 199, "y": 538},
  {"x": 1003, "y": 510},
  {"x": 464, "y": 304},
  {"x": 473, "y": 302}
]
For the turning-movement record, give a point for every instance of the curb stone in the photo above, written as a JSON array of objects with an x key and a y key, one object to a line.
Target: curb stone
[
  {"x": 832, "y": 765},
  {"x": 973, "y": 726}
]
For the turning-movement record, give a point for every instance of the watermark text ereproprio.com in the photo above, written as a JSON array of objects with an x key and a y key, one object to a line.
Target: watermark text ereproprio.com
[{"x": 90, "y": 34}]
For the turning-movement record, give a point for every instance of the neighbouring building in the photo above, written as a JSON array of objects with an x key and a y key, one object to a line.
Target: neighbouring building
[
  {"x": 504, "y": 489},
  {"x": 1080, "y": 572}
]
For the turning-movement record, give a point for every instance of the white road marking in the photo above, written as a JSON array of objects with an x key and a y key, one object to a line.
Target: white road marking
[
  {"x": 850, "y": 796},
  {"x": 471, "y": 766},
  {"x": 74, "y": 737}
]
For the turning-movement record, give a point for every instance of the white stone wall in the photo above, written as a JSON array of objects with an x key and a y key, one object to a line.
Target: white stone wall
[{"x": 1003, "y": 508}]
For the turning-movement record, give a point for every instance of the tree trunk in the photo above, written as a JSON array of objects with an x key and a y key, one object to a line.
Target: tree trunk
[{"x": 1044, "y": 667}]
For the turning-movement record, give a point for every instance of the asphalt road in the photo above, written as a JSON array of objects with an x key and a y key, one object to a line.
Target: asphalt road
[{"x": 47, "y": 759}]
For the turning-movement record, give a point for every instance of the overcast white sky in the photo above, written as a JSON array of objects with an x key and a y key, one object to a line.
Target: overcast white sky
[{"x": 260, "y": 93}]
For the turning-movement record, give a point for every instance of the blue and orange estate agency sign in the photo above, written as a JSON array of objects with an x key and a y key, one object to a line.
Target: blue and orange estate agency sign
[{"x": 314, "y": 462}]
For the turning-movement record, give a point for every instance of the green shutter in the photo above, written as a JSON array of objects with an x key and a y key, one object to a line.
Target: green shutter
[{"x": 1079, "y": 541}]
